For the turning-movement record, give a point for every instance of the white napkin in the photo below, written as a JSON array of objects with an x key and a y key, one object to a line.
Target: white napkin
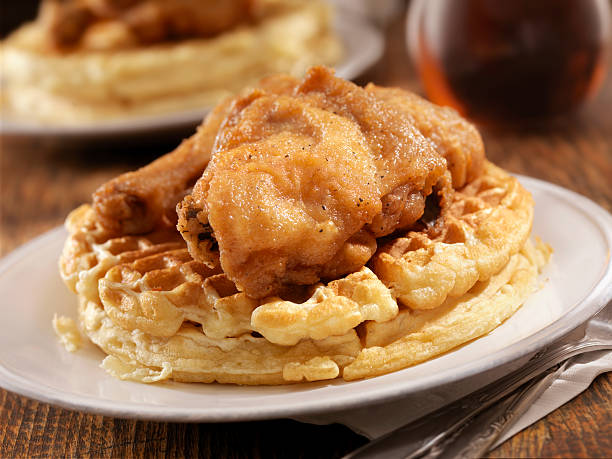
[
  {"x": 375, "y": 421},
  {"x": 574, "y": 380}
]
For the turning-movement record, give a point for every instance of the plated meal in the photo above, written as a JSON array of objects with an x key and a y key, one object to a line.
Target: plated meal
[
  {"x": 310, "y": 229},
  {"x": 85, "y": 61}
]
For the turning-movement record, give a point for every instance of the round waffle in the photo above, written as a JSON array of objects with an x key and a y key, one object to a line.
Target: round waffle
[{"x": 159, "y": 314}]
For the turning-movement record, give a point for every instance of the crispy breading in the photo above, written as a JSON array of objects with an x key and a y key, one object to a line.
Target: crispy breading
[
  {"x": 285, "y": 201},
  {"x": 137, "y": 202},
  {"x": 340, "y": 159},
  {"x": 297, "y": 173},
  {"x": 452, "y": 136}
]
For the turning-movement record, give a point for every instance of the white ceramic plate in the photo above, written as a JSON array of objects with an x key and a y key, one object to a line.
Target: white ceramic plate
[
  {"x": 363, "y": 45},
  {"x": 577, "y": 283}
]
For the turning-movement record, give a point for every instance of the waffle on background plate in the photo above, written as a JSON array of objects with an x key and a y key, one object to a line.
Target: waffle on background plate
[
  {"x": 457, "y": 263},
  {"x": 86, "y": 61}
]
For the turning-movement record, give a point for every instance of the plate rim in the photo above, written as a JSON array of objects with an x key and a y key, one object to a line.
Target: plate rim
[
  {"x": 371, "y": 43},
  {"x": 593, "y": 301}
]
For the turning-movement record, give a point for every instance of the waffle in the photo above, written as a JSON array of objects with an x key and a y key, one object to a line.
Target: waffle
[
  {"x": 414, "y": 336},
  {"x": 159, "y": 314},
  {"x": 88, "y": 85}
]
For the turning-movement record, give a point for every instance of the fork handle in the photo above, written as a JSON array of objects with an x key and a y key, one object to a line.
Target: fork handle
[
  {"x": 415, "y": 438},
  {"x": 484, "y": 430}
]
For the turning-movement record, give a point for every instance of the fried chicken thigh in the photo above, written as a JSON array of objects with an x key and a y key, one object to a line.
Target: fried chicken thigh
[
  {"x": 451, "y": 135},
  {"x": 302, "y": 182},
  {"x": 291, "y": 184}
]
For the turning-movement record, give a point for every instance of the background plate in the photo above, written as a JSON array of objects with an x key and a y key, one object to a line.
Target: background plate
[
  {"x": 363, "y": 45},
  {"x": 576, "y": 284}
]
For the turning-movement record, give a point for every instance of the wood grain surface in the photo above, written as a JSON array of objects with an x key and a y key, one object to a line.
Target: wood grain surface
[{"x": 41, "y": 180}]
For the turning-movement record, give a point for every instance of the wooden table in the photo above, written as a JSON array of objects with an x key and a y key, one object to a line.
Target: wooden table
[{"x": 41, "y": 182}]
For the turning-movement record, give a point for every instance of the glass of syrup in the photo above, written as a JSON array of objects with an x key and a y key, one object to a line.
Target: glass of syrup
[{"x": 501, "y": 60}]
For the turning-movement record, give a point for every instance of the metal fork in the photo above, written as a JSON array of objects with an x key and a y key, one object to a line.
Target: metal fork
[
  {"x": 418, "y": 437},
  {"x": 483, "y": 430}
]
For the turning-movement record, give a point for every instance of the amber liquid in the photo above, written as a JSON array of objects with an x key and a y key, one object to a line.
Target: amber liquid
[{"x": 511, "y": 59}]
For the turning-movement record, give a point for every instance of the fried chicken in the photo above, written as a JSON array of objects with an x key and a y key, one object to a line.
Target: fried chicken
[
  {"x": 304, "y": 176},
  {"x": 298, "y": 179},
  {"x": 68, "y": 22},
  {"x": 64, "y": 22},
  {"x": 286, "y": 189},
  {"x": 137, "y": 202},
  {"x": 451, "y": 135}
]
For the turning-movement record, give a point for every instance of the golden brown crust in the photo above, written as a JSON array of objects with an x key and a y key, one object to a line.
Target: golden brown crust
[
  {"x": 137, "y": 202},
  {"x": 399, "y": 169},
  {"x": 300, "y": 172},
  {"x": 456, "y": 139}
]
